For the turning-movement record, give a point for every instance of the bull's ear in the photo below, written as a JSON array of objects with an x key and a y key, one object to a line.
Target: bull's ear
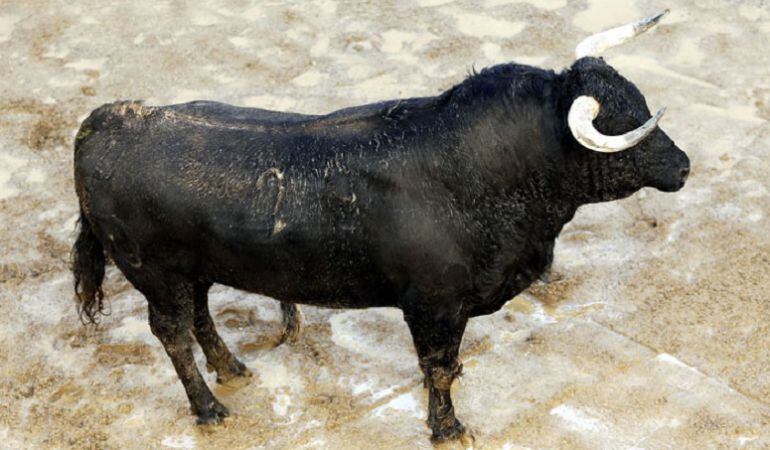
[{"x": 594, "y": 45}]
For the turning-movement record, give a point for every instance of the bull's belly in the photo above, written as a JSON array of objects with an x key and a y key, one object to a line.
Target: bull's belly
[
  {"x": 310, "y": 292},
  {"x": 307, "y": 271},
  {"x": 339, "y": 282}
]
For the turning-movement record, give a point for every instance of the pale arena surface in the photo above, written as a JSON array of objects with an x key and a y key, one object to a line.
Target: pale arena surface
[{"x": 651, "y": 331}]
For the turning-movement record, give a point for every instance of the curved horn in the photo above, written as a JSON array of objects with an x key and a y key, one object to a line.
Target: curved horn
[
  {"x": 594, "y": 45},
  {"x": 580, "y": 120}
]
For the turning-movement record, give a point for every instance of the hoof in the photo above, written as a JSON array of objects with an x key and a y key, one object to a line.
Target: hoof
[
  {"x": 454, "y": 433},
  {"x": 289, "y": 335},
  {"x": 213, "y": 415},
  {"x": 240, "y": 371}
]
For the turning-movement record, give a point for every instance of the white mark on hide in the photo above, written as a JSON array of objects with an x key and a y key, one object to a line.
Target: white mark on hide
[
  {"x": 271, "y": 171},
  {"x": 278, "y": 226}
]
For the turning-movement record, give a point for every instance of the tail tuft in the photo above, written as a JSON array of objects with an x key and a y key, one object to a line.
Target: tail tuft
[{"x": 88, "y": 268}]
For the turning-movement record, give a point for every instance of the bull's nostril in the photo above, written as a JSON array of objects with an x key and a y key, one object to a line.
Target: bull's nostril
[{"x": 684, "y": 172}]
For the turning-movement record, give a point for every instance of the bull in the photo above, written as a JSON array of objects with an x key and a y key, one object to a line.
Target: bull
[{"x": 445, "y": 207}]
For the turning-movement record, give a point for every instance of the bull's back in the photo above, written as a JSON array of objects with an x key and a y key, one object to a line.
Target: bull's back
[{"x": 180, "y": 155}]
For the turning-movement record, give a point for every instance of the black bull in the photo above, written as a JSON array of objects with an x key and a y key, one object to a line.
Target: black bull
[{"x": 445, "y": 207}]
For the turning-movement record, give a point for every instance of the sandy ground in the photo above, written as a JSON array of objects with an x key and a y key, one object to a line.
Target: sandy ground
[{"x": 652, "y": 331}]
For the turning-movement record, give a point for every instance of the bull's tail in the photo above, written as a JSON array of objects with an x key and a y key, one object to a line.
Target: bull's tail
[{"x": 88, "y": 268}]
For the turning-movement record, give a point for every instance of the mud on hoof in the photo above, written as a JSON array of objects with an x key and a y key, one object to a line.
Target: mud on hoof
[
  {"x": 456, "y": 431},
  {"x": 237, "y": 370},
  {"x": 213, "y": 415}
]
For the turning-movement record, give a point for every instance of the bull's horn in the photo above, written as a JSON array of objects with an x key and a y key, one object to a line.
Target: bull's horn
[
  {"x": 594, "y": 45},
  {"x": 580, "y": 119}
]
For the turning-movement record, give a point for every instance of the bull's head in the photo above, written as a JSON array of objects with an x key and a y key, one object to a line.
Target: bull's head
[{"x": 608, "y": 114}]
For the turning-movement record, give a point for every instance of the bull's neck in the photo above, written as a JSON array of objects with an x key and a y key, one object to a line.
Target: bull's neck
[
  {"x": 508, "y": 158},
  {"x": 601, "y": 177}
]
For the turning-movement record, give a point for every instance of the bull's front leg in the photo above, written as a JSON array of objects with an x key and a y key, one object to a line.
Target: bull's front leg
[{"x": 437, "y": 336}]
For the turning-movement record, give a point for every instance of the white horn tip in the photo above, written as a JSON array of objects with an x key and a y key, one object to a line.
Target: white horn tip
[
  {"x": 646, "y": 24},
  {"x": 656, "y": 18},
  {"x": 593, "y": 45}
]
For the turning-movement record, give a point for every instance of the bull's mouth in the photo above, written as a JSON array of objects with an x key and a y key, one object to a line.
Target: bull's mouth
[{"x": 674, "y": 183}]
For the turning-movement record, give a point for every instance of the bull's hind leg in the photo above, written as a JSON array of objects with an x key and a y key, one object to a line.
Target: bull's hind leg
[
  {"x": 171, "y": 310},
  {"x": 437, "y": 341},
  {"x": 215, "y": 349},
  {"x": 292, "y": 323}
]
